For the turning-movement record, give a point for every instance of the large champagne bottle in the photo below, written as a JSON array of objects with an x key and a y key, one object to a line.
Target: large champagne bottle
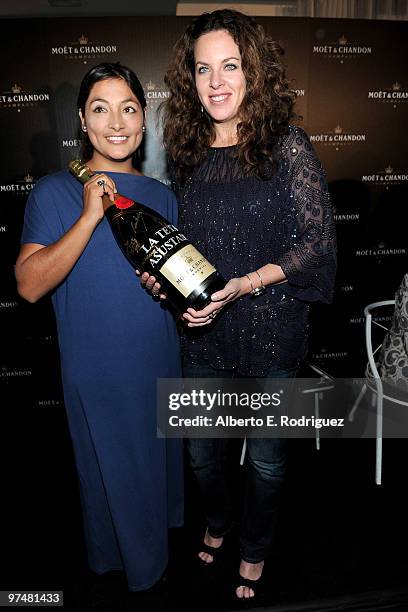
[{"x": 152, "y": 244}]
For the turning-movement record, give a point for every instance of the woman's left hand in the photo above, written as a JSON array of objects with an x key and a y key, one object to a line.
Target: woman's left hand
[{"x": 234, "y": 289}]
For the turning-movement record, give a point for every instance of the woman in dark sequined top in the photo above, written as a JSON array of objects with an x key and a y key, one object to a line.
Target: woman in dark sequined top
[
  {"x": 253, "y": 199},
  {"x": 239, "y": 222}
]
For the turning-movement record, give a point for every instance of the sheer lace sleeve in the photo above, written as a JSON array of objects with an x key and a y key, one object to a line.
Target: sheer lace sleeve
[{"x": 310, "y": 263}]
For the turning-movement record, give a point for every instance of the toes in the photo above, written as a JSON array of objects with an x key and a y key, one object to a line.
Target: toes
[
  {"x": 240, "y": 592},
  {"x": 244, "y": 593},
  {"x": 205, "y": 557}
]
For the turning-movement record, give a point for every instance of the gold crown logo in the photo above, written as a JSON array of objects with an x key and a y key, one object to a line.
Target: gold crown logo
[
  {"x": 342, "y": 40},
  {"x": 396, "y": 86},
  {"x": 83, "y": 39},
  {"x": 28, "y": 178},
  {"x": 338, "y": 129},
  {"x": 150, "y": 86},
  {"x": 389, "y": 169},
  {"x": 16, "y": 88}
]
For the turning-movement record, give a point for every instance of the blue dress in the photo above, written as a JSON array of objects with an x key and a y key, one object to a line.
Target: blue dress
[{"x": 114, "y": 343}]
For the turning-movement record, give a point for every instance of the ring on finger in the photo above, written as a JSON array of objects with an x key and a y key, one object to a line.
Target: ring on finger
[{"x": 101, "y": 183}]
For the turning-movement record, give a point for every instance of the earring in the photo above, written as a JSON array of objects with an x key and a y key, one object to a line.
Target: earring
[
  {"x": 144, "y": 129},
  {"x": 84, "y": 128},
  {"x": 202, "y": 108}
]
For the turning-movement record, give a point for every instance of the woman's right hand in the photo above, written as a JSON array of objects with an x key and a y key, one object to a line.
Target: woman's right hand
[
  {"x": 92, "y": 196},
  {"x": 149, "y": 282}
]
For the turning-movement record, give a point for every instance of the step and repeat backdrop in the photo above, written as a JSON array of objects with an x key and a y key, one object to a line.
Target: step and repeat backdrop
[{"x": 352, "y": 86}]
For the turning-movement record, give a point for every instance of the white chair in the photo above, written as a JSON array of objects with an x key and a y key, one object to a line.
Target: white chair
[
  {"x": 325, "y": 382},
  {"x": 374, "y": 382}
]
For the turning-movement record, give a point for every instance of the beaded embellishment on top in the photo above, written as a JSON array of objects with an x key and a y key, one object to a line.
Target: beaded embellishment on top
[{"x": 240, "y": 223}]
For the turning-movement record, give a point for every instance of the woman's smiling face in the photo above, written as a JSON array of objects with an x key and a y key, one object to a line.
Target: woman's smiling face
[
  {"x": 219, "y": 78},
  {"x": 114, "y": 120}
]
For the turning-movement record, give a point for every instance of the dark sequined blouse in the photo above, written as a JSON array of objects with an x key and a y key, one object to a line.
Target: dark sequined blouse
[{"x": 240, "y": 223}]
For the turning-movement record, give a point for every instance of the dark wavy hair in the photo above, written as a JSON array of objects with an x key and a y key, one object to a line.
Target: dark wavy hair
[
  {"x": 101, "y": 72},
  {"x": 265, "y": 111}
]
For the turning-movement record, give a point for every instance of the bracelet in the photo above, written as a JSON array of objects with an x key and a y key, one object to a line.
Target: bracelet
[
  {"x": 262, "y": 288},
  {"x": 259, "y": 290},
  {"x": 252, "y": 287}
]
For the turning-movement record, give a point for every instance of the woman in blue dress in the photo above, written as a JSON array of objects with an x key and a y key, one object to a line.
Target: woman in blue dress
[{"x": 114, "y": 342}]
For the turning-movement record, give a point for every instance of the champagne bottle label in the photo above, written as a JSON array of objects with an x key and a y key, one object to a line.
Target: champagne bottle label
[
  {"x": 152, "y": 245},
  {"x": 186, "y": 269}
]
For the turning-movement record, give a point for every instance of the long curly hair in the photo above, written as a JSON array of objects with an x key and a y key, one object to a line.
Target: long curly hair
[{"x": 265, "y": 111}]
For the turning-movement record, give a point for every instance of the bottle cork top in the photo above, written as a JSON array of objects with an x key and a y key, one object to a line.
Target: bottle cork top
[{"x": 80, "y": 170}]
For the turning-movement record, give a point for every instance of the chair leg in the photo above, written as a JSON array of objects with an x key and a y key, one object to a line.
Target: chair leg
[
  {"x": 243, "y": 452},
  {"x": 317, "y": 413},
  {"x": 378, "y": 461},
  {"x": 378, "y": 450},
  {"x": 356, "y": 403}
]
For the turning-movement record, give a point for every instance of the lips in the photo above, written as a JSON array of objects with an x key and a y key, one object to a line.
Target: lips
[
  {"x": 219, "y": 98},
  {"x": 116, "y": 139}
]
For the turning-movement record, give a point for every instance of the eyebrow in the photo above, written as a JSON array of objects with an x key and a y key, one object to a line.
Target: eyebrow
[
  {"x": 223, "y": 61},
  {"x": 134, "y": 100}
]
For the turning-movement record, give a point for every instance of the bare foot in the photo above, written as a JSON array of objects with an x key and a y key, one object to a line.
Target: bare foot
[
  {"x": 214, "y": 543},
  {"x": 252, "y": 571}
]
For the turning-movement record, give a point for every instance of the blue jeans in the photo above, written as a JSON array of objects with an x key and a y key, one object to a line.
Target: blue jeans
[{"x": 265, "y": 471}]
